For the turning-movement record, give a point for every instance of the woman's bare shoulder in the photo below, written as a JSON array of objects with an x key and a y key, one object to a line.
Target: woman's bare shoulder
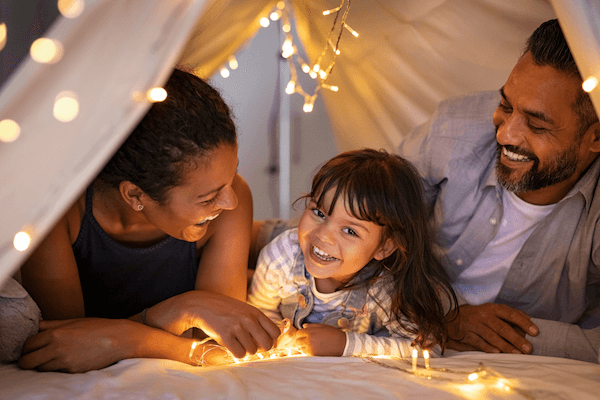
[{"x": 74, "y": 216}]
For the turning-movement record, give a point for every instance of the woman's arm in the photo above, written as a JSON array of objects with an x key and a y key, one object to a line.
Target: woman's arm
[
  {"x": 224, "y": 258},
  {"x": 50, "y": 273}
]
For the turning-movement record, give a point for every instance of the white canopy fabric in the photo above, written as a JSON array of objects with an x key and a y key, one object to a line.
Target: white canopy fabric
[{"x": 410, "y": 55}]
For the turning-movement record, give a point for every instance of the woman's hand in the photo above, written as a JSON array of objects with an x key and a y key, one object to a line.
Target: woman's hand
[
  {"x": 321, "y": 340},
  {"x": 241, "y": 328},
  {"x": 80, "y": 345}
]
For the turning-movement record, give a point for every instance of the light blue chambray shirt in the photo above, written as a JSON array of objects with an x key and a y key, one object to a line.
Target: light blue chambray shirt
[{"x": 555, "y": 278}]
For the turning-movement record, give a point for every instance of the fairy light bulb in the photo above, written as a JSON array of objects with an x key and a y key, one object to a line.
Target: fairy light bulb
[
  {"x": 224, "y": 72},
  {"x": 286, "y": 28},
  {"x": 322, "y": 74},
  {"x": 312, "y": 74},
  {"x": 9, "y": 130},
  {"x": 291, "y": 87},
  {"x": 333, "y": 88},
  {"x": 352, "y": 31},
  {"x": 305, "y": 68},
  {"x": 46, "y": 51},
  {"x": 308, "y": 104},
  {"x": 280, "y": 5},
  {"x": 426, "y": 357},
  {"x": 22, "y": 241},
  {"x": 157, "y": 94},
  {"x": 66, "y": 106},
  {"x": 415, "y": 354},
  {"x": 264, "y": 22},
  {"x": 71, "y": 8},
  {"x": 316, "y": 67},
  {"x": 2, "y": 35},
  {"x": 327, "y": 12},
  {"x": 590, "y": 84},
  {"x": 275, "y": 15},
  {"x": 473, "y": 376},
  {"x": 233, "y": 62}
]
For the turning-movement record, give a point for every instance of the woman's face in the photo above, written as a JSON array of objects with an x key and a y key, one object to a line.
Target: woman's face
[{"x": 206, "y": 192}]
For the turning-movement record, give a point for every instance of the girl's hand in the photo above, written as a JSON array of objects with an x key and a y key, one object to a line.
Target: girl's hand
[
  {"x": 321, "y": 340},
  {"x": 241, "y": 328}
]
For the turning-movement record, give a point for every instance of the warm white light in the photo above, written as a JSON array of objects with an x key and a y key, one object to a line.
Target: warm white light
[
  {"x": 308, "y": 107},
  {"x": 473, "y": 376},
  {"x": 332, "y": 87},
  {"x": 275, "y": 15},
  {"x": 46, "y": 51},
  {"x": 157, "y": 94},
  {"x": 352, "y": 31},
  {"x": 71, "y": 8},
  {"x": 316, "y": 67},
  {"x": 590, "y": 84},
  {"x": 322, "y": 74},
  {"x": 291, "y": 87},
  {"x": 9, "y": 130},
  {"x": 281, "y": 5},
  {"x": 426, "y": 357},
  {"x": 327, "y": 12},
  {"x": 415, "y": 354},
  {"x": 224, "y": 72},
  {"x": 22, "y": 241},
  {"x": 305, "y": 68},
  {"x": 286, "y": 28},
  {"x": 66, "y": 106},
  {"x": 312, "y": 74},
  {"x": 2, "y": 35},
  {"x": 264, "y": 22},
  {"x": 233, "y": 62}
]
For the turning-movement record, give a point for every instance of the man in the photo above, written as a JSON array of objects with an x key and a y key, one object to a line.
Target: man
[{"x": 512, "y": 180}]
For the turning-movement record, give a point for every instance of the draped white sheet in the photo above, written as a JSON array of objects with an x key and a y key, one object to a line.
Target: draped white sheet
[
  {"x": 410, "y": 55},
  {"x": 531, "y": 377}
]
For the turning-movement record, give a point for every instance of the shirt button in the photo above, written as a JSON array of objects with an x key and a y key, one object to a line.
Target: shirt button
[
  {"x": 493, "y": 221},
  {"x": 459, "y": 262},
  {"x": 343, "y": 323},
  {"x": 302, "y": 301}
]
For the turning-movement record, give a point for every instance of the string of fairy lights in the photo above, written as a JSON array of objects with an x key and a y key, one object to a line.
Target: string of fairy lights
[
  {"x": 65, "y": 108},
  {"x": 321, "y": 69}
]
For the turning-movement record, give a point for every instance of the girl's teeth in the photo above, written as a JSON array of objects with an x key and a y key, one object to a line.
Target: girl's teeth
[
  {"x": 205, "y": 220},
  {"x": 322, "y": 255}
]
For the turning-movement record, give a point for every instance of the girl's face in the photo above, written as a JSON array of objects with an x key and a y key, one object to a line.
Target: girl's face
[
  {"x": 339, "y": 245},
  {"x": 206, "y": 192}
]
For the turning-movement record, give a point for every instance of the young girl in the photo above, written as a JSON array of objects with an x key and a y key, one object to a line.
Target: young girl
[{"x": 359, "y": 275}]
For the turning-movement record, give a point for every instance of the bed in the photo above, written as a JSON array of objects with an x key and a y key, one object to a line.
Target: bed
[{"x": 506, "y": 376}]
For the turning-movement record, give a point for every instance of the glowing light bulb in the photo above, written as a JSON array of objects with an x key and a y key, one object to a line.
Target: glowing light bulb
[
  {"x": 291, "y": 87},
  {"x": 415, "y": 354},
  {"x": 332, "y": 88},
  {"x": 308, "y": 107},
  {"x": 71, "y": 8},
  {"x": 590, "y": 84},
  {"x": 322, "y": 74},
  {"x": 224, "y": 72},
  {"x": 327, "y": 12},
  {"x": 264, "y": 22},
  {"x": 2, "y": 35},
  {"x": 426, "y": 357},
  {"x": 46, "y": 51},
  {"x": 280, "y": 5},
  {"x": 286, "y": 28},
  {"x": 233, "y": 62},
  {"x": 22, "y": 241},
  {"x": 9, "y": 130},
  {"x": 305, "y": 68},
  {"x": 157, "y": 94},
  {"x": 275, "y": 15},
  {"x": 312, "y": 74},
  {"x": 316, "y": 67},
  {"x": 473, "y": 376},
  {"x": 66, "y": 106},
  {"x": 352, "y": 31}
]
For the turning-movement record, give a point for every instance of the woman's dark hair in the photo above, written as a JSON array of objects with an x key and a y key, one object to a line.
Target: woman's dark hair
[
  {"x": 385, "y": 189},
  {"x": 174, "y": 134},
  {"x": 548, "y": 46}
]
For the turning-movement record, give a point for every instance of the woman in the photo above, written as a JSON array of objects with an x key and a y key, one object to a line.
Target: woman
[{"x": 159, "y": 240}]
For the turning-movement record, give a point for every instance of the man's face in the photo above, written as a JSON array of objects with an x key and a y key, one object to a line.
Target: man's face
[{"x": 539, "y": 145}]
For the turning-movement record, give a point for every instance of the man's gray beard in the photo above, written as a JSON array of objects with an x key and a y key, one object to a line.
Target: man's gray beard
[{"x": 560, "y": 168}]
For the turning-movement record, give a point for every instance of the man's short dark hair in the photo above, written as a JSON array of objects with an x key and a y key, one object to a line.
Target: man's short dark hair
[{"x": 548, "y": 46}]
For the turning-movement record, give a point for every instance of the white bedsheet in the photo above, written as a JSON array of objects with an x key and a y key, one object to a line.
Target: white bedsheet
[{"x": 311, "y": 378}]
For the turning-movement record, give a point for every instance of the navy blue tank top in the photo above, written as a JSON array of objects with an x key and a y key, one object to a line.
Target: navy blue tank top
[{"x": 119, "y": 281}]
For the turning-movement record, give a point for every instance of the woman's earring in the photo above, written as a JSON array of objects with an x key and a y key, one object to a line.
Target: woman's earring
[{"x": 140, "y": 207}]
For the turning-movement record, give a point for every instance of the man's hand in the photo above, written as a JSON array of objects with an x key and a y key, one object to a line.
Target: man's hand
[
  {"x": 321, "y": 340},
  {"x": 493, "y": 328}
]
